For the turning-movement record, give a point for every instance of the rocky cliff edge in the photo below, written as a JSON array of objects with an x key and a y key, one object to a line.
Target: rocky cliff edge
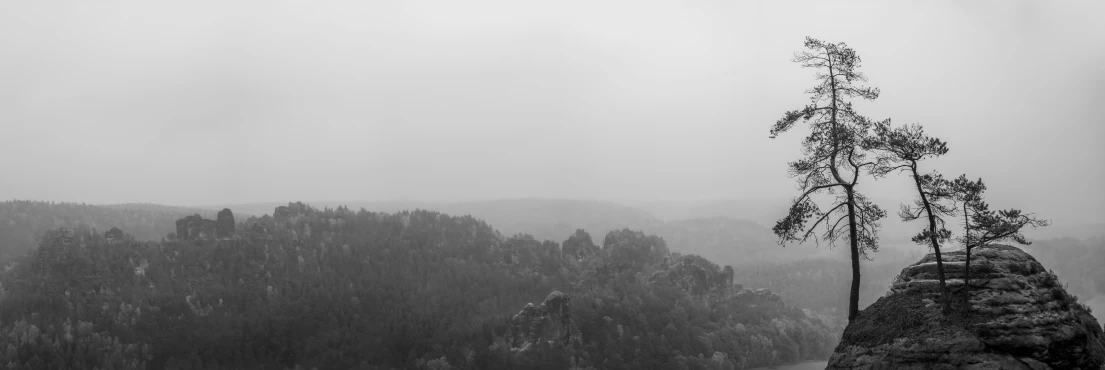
[{"x": 1020, "y": 317}]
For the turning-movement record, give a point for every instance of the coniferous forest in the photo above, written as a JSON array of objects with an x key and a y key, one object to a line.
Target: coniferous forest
[
  {"x": 333, "y": 288},
  {"x": 338, "y": 289}
]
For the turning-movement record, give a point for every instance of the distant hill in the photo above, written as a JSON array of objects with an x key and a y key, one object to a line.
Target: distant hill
[
  {"x": 1059, "y": 230},
  {"x": 161, "y": 208},
  {"x": 554, "y": 219},
  {"x": 544, "y": 219},
  {"x": 765, "y": 212},
  {"x": 22, "y": 222},
  {"x": 266, "y": 208},
  {"x": 761, "y": 211},
  {"x": 733, "y": 241}
]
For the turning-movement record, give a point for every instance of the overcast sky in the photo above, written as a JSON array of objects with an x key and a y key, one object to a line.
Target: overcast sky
[{"x": 201, "y": 102}]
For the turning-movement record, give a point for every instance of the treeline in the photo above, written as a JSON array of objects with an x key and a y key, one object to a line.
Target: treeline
[
  {"x": 23, "y": 222},
  {"x": 335, "y": 288}
]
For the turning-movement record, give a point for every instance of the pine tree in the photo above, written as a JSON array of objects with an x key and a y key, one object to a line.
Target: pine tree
[
  {"x": 900, "y": 149},
  {"x": 834, "y": 158}
]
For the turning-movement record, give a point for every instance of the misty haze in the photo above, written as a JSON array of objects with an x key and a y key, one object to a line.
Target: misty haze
[{"x": 567, "y": 185}]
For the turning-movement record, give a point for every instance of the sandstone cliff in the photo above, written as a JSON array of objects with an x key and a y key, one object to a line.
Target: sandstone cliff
[
  {"x": 1020, "y": 318},
  {"x": 224, "y": 223},
  {"x": 550, "y": 321},
  {"x": 195, "y": 227},
  {"x": 696, "y": 276}
]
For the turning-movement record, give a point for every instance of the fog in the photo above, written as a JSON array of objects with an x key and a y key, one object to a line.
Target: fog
[{"x": 206, "y": 102}]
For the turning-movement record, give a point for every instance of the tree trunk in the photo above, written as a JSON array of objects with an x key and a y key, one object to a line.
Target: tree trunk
[
  {"x": 853, "y": 296},
  {"x": 944, "y": 299},
  {"x": 967, "y": 266}
]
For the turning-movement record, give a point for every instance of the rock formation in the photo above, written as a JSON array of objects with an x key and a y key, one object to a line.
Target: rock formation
[
  {"x": 292, "y": 210},
  {"x": 550, "y": 321},
  {"x": 195, "y": 227},
  {"x": 695, "y": 275},
  {"x": 113, "y": 234},
  {"x": 1020, "y": 318},
  {"x": 224, "y": 223}
]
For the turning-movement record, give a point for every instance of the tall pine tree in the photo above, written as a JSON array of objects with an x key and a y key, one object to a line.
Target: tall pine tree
[{"x": 834, "y": 158}]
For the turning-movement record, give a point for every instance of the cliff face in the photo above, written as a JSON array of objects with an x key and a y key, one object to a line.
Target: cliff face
[
  {"x": 696, "y": 275},
  {"x": 224, "y": 223},
  {"x": 1020, "y": 318},
  {"x": 195, "y": 227},
  {"x": 550, "y": 321}
]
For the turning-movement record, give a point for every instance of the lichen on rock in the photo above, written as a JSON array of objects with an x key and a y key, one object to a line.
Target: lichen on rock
[{"x": 1020, "y": 317}]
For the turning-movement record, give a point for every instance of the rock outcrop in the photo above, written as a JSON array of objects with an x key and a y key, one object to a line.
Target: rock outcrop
[
  {"x": 114, "y": 234},
  {"x": 579, "y": 245},
  {"x": 550, "y": 321},
  {"x": 195, "y": 227},
  {"x": 293, "y": 210},
  {"x": 1020, "y": 318},
  {"x": 224, "y": 223},
  {"x": 695, "y": 275}
]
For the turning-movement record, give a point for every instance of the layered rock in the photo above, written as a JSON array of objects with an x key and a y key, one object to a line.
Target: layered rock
[
  {"x": 551, "y": 321},
  {"x": 1020, "y": 317}
]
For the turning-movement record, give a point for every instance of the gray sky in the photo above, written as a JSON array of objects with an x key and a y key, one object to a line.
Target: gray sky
[{"x": 202, "y": 102}]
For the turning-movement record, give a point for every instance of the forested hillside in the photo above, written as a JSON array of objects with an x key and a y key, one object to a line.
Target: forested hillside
[
  {"x": 23, "y": 222},
  {"x": 334, "y": 288},
  {"x": 729, "y": 239}
]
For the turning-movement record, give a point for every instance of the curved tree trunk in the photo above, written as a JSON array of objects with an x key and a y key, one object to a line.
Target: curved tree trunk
[
  {"x": 853, "y": 296},
  {"x": 967, "y": 267},
  {"x": 944, "y": 299},
  {"x": 853, "y": 243}
]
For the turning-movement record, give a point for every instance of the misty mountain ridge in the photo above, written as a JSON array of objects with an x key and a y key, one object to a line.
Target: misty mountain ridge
[
  {"x": 413, "y": 289},
  {"x": 711, "y": 232},
  {"x": 510, "y": 214},
  {"x": 551, "y": 219}
]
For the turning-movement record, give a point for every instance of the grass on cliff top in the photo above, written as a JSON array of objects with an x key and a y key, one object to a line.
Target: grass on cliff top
[{"x": 905, "y": 315}]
